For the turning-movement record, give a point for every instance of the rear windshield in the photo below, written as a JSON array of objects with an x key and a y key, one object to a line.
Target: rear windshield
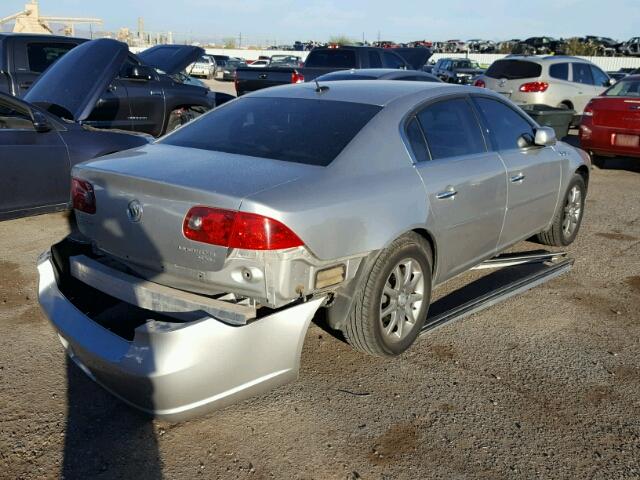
[
  {"x": 313, "y": 132},
  {"x": 332, "y": 58},
  {"x": 624, "y": 88},
  {"x": 513, "y": 69},
  {"x": 345, "y": 76}
]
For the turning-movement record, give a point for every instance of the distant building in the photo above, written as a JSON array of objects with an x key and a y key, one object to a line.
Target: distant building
[{"x": 30, "y": 21}]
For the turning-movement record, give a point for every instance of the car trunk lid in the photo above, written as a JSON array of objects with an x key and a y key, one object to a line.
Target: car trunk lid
[
  {"x": 616, "y": 112},
  {"x": 143, "y": 196}
]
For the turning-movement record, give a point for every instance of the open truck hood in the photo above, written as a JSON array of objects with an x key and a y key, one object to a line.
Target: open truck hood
[
  {"x": 171, "y": 59},
  {"x": 416, "y": 57},
  {"x": 71, "y": 87}
]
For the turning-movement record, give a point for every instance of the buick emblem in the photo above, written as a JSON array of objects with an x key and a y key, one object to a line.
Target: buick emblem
[
  {"x": 134, "y": 211},
  {"x": 502, "y": 82}
]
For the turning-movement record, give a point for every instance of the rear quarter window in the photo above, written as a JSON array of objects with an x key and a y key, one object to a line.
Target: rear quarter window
[
  {"x": 313, "y": 132},
  {"x": 514, "y": 69},
  {"x": 42, "y": 55},
  {"x": 559, "y": 71}
]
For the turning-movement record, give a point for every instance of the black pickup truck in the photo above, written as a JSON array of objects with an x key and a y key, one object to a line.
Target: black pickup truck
[
  {"x": 23, "y": 57},
  {"x": 150, "y": 93},
  {"x": 326, "y": 60}
]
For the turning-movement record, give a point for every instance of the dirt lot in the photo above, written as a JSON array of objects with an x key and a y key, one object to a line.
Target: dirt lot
[{"x": 545, "y": 385}]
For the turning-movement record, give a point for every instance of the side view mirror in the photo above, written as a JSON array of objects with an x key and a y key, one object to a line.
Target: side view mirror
[
  {"x": 141, "y": 72},
  {"x": 40, "y": 122},
  {"x": 525, "y": 140},
  {"x": 610, "y": 82},
  {"x": 545, "y": 137}
]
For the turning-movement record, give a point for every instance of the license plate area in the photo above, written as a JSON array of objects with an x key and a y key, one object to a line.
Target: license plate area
[{"x": 623, "y": 140}]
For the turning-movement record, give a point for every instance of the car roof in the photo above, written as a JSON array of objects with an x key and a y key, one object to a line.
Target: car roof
[
  {"x": 379, "y": 93},
  {"x": 545, "y": 59},
  {"x": 373, "y": 72}
]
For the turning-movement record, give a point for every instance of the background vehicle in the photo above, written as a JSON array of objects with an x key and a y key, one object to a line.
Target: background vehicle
[
  {"x": 258, "y": 64},
  {"x": 379, "y": 74},
  {"x": 611, "y": 122},
  {"x": 39, "y": 148},
  {"x": 456, "y": 70},
  {"x": 150, "y": 94},
  {"x": 631, "y": 47},
  {"x": 205, "y": 67},
  {"x": 285, "y": 61},
  {"x": 539, "y": 46},
  {"x": 326, "y": 60},
  {"x": 23, "y": 57},
  {"x": 228, "y": 71},
  {"x": 557, "y": 81}
]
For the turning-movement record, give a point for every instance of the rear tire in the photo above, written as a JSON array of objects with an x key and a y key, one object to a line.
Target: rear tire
[
  {"x": 179, "y": 117},
  {"x": 568, "y": 218},
  {"x": 392, "y": 302}
]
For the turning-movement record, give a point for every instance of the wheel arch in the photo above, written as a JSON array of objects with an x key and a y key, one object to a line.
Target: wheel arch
[
  {"x": 583, "y": 171},
  {"x": 424, "y": 233}
]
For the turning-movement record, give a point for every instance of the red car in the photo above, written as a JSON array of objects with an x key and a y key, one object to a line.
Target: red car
[{"x": 611, "y": 122}]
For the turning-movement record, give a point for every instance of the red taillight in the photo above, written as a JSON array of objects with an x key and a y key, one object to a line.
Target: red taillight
[
  {"x": 588, "y": 110},
  {"x": 229, "y": 228},
  {"x": 297, "y": 77},
  {"x": 534, "y": 87},
  {"x": 82, "y": 196},
  {"x": 479, "y": 83}
]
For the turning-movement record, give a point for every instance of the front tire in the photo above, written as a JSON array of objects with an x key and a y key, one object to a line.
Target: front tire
[
  {"x": 568, "y": 218},
  {"x": 391, "y": 305}
]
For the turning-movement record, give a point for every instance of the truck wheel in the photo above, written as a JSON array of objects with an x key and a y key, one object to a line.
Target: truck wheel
[
  {"x": 181, "y": 116},
  {"x": 391, "y": 304},
  {"x": 568, "y": 218}
]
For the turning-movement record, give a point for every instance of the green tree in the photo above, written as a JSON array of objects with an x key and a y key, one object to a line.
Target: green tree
[
  {"x": 341, "y": 40},
  {"x": 229, "y": 42}
]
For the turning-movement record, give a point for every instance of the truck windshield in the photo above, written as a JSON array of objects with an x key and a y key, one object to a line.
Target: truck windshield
[
  {"x": 313, "y": 132},
  {"x": 331, "y": 58}
]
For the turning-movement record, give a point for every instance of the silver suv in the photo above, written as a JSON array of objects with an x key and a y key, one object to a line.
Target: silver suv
[{"x": 557, "y": 81}]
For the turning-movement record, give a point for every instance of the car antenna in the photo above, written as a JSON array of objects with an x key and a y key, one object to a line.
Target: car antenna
[{"x": 320, "y": 88}]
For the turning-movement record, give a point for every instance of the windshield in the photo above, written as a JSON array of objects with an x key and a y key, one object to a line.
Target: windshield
[
  {"x": 513, "y": 69},
  {"x": 465, "y": 64},
  {"x": 624, "y": 88},
  {"x": 313, "y": 132}
]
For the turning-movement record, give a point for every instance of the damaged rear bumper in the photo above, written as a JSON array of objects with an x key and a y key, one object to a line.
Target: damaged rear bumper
[{"x": 177, "y": 370}]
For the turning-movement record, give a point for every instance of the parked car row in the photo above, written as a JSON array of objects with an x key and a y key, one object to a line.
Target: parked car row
[
  {"x": 592, "y": 45},
  {"x": 81, "y": 106}
]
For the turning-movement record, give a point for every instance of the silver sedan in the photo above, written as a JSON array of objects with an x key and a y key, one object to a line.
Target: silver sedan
[{"x": 204, "y": 256}]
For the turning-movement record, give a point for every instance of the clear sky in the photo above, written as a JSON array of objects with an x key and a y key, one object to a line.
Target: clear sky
[{"x": 402, "y": 20}]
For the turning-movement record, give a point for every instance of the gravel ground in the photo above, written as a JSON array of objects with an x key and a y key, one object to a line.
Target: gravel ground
[{"x": 545, "y": 385}]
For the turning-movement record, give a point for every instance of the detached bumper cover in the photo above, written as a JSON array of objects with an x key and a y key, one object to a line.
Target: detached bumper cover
[{"x": 176, "y": 371}]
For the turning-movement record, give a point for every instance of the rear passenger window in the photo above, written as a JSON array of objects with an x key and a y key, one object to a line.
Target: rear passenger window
[
  {"x": 559, "y": 71},
  {"x": 374, "y": 59},
  {"x": 41, "y": 55},
  {"x": 505, "y": 125},
  {"x": 582, "y": 73},
  {"x": 451, "y": 129},
  {"x": 416, "y": 139}
]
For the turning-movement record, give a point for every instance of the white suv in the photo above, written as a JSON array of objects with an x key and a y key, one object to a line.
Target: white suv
[{"x": 557, "y": 81}]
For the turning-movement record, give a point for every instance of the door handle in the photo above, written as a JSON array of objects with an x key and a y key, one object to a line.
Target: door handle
[
  {"x": 518, "y": 178},
  {"x": 157, "y": 93},
  {"x": 450, "y": 192}
]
